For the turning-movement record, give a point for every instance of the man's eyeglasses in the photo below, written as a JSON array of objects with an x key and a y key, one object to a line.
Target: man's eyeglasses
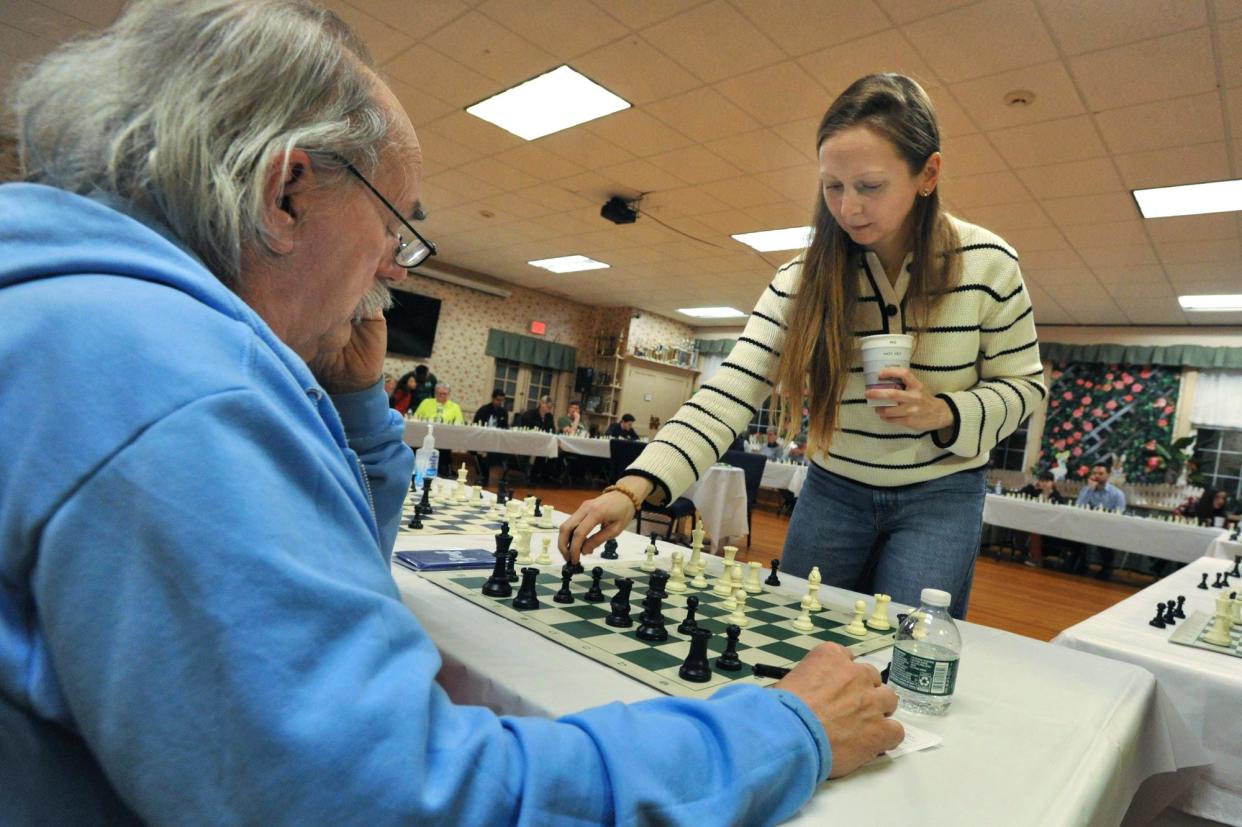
[{"x": 412, "y": 250}]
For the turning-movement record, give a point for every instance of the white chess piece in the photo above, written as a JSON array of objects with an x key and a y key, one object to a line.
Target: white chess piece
[
  {"x": 546, "y": 520},
  {"x": 856, "y": 627},
  {"x": 752, "y": 582},
  {"x": 1218, "y": 634},
  {"x": 919, "y": 632},
  {"x": 476, "y": 492},
  {"x": 879, "y": 618},
  {"x": 724, "y": 585},
  {"x": 738, "y": 617},
  {"x": 812, "y": 591},
  {"x": 699, "y": 581},
  {"x": 803, "y": 622},
  {"x": 649, "y": 564},
  {"x": 735, "y": 576},
  {"x": 545, "y": 559},
  {"x": 677, "y": 577},
  {"x": 696, "y": 565},
  {"x": 729, "y": 553},
  {"x": 523, "y": 546}
]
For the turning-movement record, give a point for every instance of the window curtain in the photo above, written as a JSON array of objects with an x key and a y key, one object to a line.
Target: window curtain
[
  {"x": 529, "y": 350},
  {"x": 1218, "y": 399},
  {"x": 1183, "y": 356}
]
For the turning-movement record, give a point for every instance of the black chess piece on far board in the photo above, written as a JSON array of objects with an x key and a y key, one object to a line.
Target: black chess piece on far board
[
  {"x": 610, "y": 550},
  {"x": 595, "y": 594},
  {"x": 689, "y": 624},
  {"x": 1170, "y": 613},
  {"x": 1178, "y": 613},
  {"x": 773, "y": 580},
  {"x": 1203, "y": 583},
  {"x": 1158, "y": 620},
  {"x": 563, "y": 594}
]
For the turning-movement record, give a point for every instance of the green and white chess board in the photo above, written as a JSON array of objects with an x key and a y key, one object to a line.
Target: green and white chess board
[
  {"x": 1190, "y": 632},
  {"x": 769, "y": 637}
]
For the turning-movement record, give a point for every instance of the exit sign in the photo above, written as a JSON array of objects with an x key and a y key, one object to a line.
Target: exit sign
[{"x": 538, "y": 328}]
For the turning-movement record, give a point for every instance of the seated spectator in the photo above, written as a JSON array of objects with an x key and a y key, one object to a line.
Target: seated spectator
[
  {"x": 424, "y": 386},
  {"x": 623, "y": 429},
  {"x": 1044, "y": 488},
  {"x": 538, "y": 417},
  {"x": 440, "y": 408},
  {"x": 1212, "y": 506},
  {"x": 772, "y": 449},
  {"x": 1098, "y": 493},
  {"x": 494, "y": 413},
  {"x": 401, "y": 397},
  {"x": 571, "y": 423}
]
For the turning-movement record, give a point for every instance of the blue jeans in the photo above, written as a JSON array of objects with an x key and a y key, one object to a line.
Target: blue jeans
[{"x": 894, "y": 541}]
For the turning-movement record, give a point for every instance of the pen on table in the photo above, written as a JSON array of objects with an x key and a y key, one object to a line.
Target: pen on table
[{"x": 764, "y": 670}]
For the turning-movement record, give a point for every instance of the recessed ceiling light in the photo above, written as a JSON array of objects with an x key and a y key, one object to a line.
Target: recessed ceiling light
[
  {"x": 549, "y": 103},
  {"x": 790, "y": 238},
  {"x": 1190, "y": 199},
  {"x": 1217, "y": 303},
  {"x": 711, "y": 312},
  {"x": 568, "y": 264}
]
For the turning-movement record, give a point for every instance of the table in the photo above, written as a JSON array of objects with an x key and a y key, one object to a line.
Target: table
[
  {"x": 785, "y": 476},
  {"x": 1224, "y": 548},
  {"x": 587, "y": 446},
  {"x": 1155, "y": 538},
  {"x": 1206, "y": 687},
  {"x": 1038, "y": 735},
  {"x": 720, "y": 497},
  {"x": 478, "y": 438}
]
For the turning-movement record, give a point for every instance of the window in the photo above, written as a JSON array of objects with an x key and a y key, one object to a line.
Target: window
[
  {"x": 524, "y": 384},
  {"x": 1218, "y": 454},
  {"x": 769, "y": 416},
  {"x": 507, "y": 380},
  {"x": 1009, "y": 452},
  {"x": 541, "y": 382}
]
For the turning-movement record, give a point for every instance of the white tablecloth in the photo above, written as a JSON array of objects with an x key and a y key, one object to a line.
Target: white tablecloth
[
  {"x": 784, "y": 475},
  {"x": 1224, "y": 548},
  {"x": 1206, "y": 687},
  {"x": 1170, "y": 541},
  {"x": 1037, "y": 735},
  {"x": 720, "y": 497},
  {"x": 475, "y": 438},
  {"x": 585, "y": 445}
]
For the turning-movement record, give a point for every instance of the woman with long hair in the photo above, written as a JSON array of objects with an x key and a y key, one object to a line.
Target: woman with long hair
[
  {"x": 403, "y": 395},
  {"x": 894, "y": 499},
  {"x": 1214, "y": 503}
]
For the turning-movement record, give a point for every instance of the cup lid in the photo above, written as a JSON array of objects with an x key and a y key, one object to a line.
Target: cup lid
[{"x": 935, "y": 597}]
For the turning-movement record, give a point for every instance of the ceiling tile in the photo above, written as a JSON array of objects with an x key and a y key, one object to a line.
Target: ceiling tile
[
  {"x": 416, "y": 23},
  {"x": 638, "y": 132},
  {"x": 684, "y": 201},
  {"x": 635, "y": 70},
  {"x": 983, "y": 39},
  {"x": 970, "y": 155},
  {"x": 799, "y": 184},
  {"x": 800, "y": 26},
  {"x": 1055, "y": 96},
  {"x": 1146, "y": 274},
  {"x": 420, "y": 106},
  {"x": 1109, "y": 257},
  {"x": 1197, "y": 274},
  {"x": 1087, "y": 27},
  {"x": 501, "y": 175},
  {"x": 565, "y": 28},
  {"x": 991, "y": 188},
  {"x": 801, "y": 136},
  {"x": 1093, "y": 175},
  {"x": 1129, "y": 233},
  {"x": 776, "y": 216},
  {"x": 703, "y": 114},
  {"x": 836, "y": 67},
  {"x": 585, "y": 148},
  {"x": 97, "y": 12},
  {"x": 594, "y": 188},
  {"x": 757, "y": 151},
  {"x": 1193, "y": 227},
  {"x": 638, "y": 15},
  {"x": 1001, "y": 218},
  {"x": 743, "y": 192},
  {"x": 441, "y": 152},
  {"x": 491, "y": 49},
  {"x": 460, "y": 183},
  {"x": 22, "y": 46},
  {"x": 1050, "y": 142},
  {"x": 1036, "y": 238},
  {"x": 1225, "y": 9},
  {"x": 904, "y": 11},
  {"x": 479, "y": 135},
  {"x": 382, "y": 41},
  {"x": 1169, "y": 167},
  {"x": 950, "y": 116},
  {"x": 777, "y": 94},
  {"x": 537, "y": 161},
  {"x": 37, "y": 19},
  {"x": 1082, "y": 209},
  {"x": 1195, "y": 252},
  {"x": 695, "y": 164},
  {"x": 1038, "y": 260},
  {"x": 642, "y": 176},
  {"x": 1167, "y": 67},
  {"x": 1185, "y": 121},
  {"x": 424, "y": 68},
  {"x": 713, "y": 41},
  {"x": 1229, "y": 48}
]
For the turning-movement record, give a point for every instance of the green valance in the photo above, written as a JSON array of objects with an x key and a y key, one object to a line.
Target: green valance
[
  {"x": 1188, "y": 356},
  {"x": 708, "y": 347},
  {"x": 530, "y": 350}
]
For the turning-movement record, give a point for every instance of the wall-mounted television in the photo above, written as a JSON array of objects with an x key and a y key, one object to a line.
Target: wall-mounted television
[{"x": 412, "y": 324}]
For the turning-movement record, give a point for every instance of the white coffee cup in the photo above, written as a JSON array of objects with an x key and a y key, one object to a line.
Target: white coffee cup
[
  {"x": 1219, "y": 522},
  {"x": 884, "y": 350}
]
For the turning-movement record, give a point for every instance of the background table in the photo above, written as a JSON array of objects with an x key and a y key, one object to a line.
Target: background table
[
  {"x": 475, "y": 438},
  {"x": 1037, "y": 735},
  {"x": 1224, "y": 548},
  {"x": 720, "y": 497},
  {"x": 1206, "y": 687},
  {"x": 785, "y": 476},
  {"x": 587, "y": 446},
  {"x": 1155, "y": 538}
]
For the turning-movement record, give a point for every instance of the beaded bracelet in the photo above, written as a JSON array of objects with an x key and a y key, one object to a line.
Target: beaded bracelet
[{"x": 637, "y": 503}]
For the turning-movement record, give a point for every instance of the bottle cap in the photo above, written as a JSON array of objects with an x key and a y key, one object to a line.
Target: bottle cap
[{"x": 936, "y": 597}]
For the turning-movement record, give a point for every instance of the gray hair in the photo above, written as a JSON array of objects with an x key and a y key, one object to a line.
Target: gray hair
[
  {"x": 442, "y": 386},
  {"x": 187, "y": 104}
]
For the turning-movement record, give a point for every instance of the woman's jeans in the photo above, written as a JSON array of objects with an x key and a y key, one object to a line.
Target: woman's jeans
[{"x": 894, "y": 541}]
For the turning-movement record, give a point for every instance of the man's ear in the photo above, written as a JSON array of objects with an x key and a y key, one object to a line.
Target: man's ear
[{"x": 289, "y": 178}]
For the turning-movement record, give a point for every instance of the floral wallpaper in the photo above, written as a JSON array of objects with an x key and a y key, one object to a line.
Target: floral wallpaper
[
  {"x": 650, "y": 329},
  {"x": 1114, "y": 414}
]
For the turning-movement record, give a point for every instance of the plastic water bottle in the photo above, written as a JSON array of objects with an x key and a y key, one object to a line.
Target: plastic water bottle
[
  {"x": 926, "y": 652},
  {"x": 426, "y": 460}
]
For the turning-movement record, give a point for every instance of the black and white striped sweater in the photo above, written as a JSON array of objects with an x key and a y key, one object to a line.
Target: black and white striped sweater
[{"x": 979, "y": 353}]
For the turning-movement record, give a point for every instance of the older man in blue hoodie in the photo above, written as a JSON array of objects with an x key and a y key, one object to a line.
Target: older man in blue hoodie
[{"x": 197, "y": 619}]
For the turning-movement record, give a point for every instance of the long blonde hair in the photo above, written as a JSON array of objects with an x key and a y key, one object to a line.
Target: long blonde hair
[{"x": 820, "y": 341}]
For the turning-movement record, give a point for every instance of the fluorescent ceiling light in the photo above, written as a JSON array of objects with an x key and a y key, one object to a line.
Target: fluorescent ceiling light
[
  {"x": 790, "y": 238},
  {"x": 1217, "y": 303},
  {"x": 711, "y": 312},
  {"x": 549, "y": 103},
  {"x": 1190, "y": 199},
  {"x": 568, "y": 264}
]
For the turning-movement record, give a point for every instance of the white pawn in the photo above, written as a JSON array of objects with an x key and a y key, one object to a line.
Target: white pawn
[
  {"x": 879, "y": 618},
  {"x": 735, "y": 576},
  {"x": 919, "y": 632},
  {"x": 546, "y": 520},
  {"x": 677, "y": 578},
  {"x": 699, "y": 581},
  {"x": 724, "y": 586},
  {"x": 649, "y": 563},
  {"x": 752, "y": 582},
  {"x": 812, "y": 592},
  {"x": 545, "y": 559},
  {"x": 856, "y": 627},
  {"x": 803, "y": 622},
  {"x": 738, "y": 617},
  {"x": 476, "y": 491}
]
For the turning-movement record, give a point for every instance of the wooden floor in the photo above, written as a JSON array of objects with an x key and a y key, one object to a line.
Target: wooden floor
[{"x": 1007, "y": 595}]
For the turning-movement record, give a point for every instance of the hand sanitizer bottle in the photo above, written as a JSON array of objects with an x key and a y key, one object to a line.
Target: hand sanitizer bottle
[{"x": 426, "y": 459}]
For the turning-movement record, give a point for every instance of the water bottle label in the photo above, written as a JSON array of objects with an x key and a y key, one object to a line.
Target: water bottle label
[{"x": 923, "y": 675}]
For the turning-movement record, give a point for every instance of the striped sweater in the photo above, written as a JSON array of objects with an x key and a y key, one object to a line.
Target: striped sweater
[{"x": 980, "y": 354}]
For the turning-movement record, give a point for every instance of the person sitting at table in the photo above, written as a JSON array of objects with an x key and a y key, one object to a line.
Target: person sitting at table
[
  {"x": 538, "y": 418},
  {"x": 222, "y": 641},
  {"x": 1097, "y": 493},
  {"x": 495, "y": 415},
  {"x": 571, "y": 423},
  {"x": 623, "y": 428},
  {"x": 1213, "y": 507},
  {"x": 772, "y": 449},
  {"x": 1044, "y": 488},
  {"x": 390, "y": 385},
  {"x": 401, "y": 397},
  {"x": 440, "y": 408}
]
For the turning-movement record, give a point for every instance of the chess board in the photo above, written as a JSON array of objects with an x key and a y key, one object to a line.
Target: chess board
[
  {"x": 1190, "y": 632},
  {"x": 475, "y": 517},
  {"x": 769, "y": 637}
]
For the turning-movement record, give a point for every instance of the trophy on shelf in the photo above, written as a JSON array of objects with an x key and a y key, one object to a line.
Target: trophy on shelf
[{"x": 621, "y": 343}]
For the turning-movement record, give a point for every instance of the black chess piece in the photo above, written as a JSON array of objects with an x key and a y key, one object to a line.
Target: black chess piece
[
  {"x": 504, "y": 528},
  {"x": 656, "y": 582},
  {"x": 1178, "y": 613},
  {"x": 503, "y": 542},
  {"x": 498, "y": 584},
  {"x": 1203, "y": 582},
  {"x": 1224, "y": 580},
  {"x": 1170, "y": 613},
  {"x": 563, "y": 594},
  {"x": 424, "y": 504},
  {"x": 417, "y": 522},
  {"x": 773, "y": 580},
  {"x": 511, "y": 563},
  {"x": 538, "y": 506},
  {"x": 610, "y": 550},
  {"x": 689, "y": 624},
  {"x": 527, "y": 597},
  {"x": 620, "y": 615},
  {"x": 595, "y": 594},
  {"x": 577, "y": 567},
  {"x": 1216, "y": 582},
  {"x": 651, "y": 621},
  {"x": 1158, "y": 620},
  {"x": 728, "y": 660},
  {"x": 696, "y": 668},
  {"x": 1237, "y": 561},
  {"x": 654, "y": 535},
  {"x": 502, "y": 493}
]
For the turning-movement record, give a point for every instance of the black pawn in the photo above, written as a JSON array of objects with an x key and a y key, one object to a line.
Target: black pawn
[
  {"x": 527, "y": 597},
  {"x": 729, "y": 660},
  {"x": 498, "y": 584},
  {"x": 1170, "y": 613},
  {"x": 424, "y": 504},
  {"x": 1203, "y": 582},
  {"x": 651, "y": 621},
  {"x": 610, "y": 550},
  {"x": 689, "y": 624},
  {"x": 620, "y": 616},
  {"x": 539, "y": 507},
  {"x": 1216, "y": 582},
  {"x": 1224, "y": 580},
  {"x": 1158, "y": 620},
  {"x": 595, "y": 594},
  {"x": 502, "y": 495},
  {"x": 577, "y": 567},
  {"x": 417, "y": 522},
  {"x": 511, "y": 563},
  {"x": 1178, "y": 613},
  {"x": 773, "y": 580},
  {"x": 696, "y": 668},
  {"x": 655, "y": 584},
  {"x": 1237, "y": 561},
  {"x": 563, "y": 594},
  {"x": 654, "y": 535}
]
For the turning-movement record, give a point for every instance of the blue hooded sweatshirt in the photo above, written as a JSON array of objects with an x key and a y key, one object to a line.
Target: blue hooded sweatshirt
[{"x": 197, "y": 620}]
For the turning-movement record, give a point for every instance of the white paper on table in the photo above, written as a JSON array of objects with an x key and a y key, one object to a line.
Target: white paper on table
[{"x": 916, "y": 739}]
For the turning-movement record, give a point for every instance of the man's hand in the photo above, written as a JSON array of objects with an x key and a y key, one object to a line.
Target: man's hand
[
  {"x": 359, "y": 364},
  {"x": 851, "y": 703},
  {"x": 916, "y": 408}
]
